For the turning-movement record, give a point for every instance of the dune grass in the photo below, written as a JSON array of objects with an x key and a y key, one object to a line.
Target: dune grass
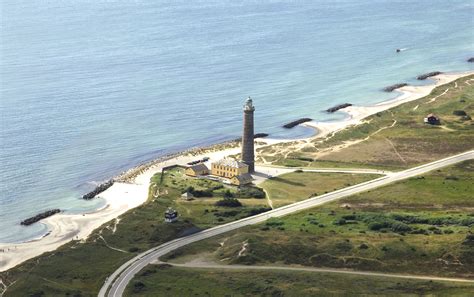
[
  {"x": 418, "y": 226},
  {"x": 296, "y": 186},
  {"x": 157, "y": 281},
  {"x": 409, "y": 142},
  {"x": 79, "y": 268}
]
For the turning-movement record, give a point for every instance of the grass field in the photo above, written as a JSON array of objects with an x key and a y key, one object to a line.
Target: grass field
[
  {"x": 423, "y": 225},
  {"x": 407, "y": 143},
  {"x": 80, "y": 268},
  {"x": 296, "y": 186},
  {"x": 161, "y": 280}
]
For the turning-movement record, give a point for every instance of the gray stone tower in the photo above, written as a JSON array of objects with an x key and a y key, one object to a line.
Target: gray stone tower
[{"x": 248, "y": 155}]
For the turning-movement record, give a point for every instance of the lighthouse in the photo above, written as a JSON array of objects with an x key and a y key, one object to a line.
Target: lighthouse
[{"x": 248, "y": 154}]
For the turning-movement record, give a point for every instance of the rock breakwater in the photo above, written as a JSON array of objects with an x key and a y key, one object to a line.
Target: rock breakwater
[
  {"x": 394, "y": 87},
  {"x": 429, "y": 74},
  {"x": 99, "y": 189},
  {"x": 296, "y": 123},
  {"x": 40, "y": 216},
  {"x": 337, "y": 107}
]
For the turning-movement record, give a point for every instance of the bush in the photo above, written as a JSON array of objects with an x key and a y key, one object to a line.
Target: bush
[
  {"x": 349, "y": 217},
  {"x": 400, "y": 227},
  {"x": 256, "y": 211},
  {"x": 339, "y": 222},
  {"x": 469, "y": 239},
  {"x": 229, "y": 202},
  {"x": 138, "y": 287},
  {"x": 202, "y": 193},
  {"x": 274, "y": 222},
  {"x": 305, "y": 159},
  {"x": 376, "y": 226},
  {"x": 228, "y": 194},
  {"x": 226, "y": 214},
  {"x": 459, "y": 112},
  {"x": 251, "y": 192}
]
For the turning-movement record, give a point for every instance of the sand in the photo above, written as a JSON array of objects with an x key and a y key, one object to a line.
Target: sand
[
  {"x": 123, "y": 196},
  {"x": 357, "y": 113}
]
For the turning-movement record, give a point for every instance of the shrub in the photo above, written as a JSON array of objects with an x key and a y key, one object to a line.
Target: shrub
[
  {"x": 138, "y": 287},
  {"x": 273, "y": 222},
  {"x": 363, "y": 246},
  {"x": 227, "y": 214},
  {"x": 400, "y": 227},
  {"x": 339, "y": 222},
  {"x": 459, "y": 112},
  {"x": 305, "y": 159},
  {"x": 376, "y": 226},
  {"x": 200, "y": 193},
  {"x": 251, "y": 192},
  {"x": 349, "y": 217},
  {"x": 133, "y": 249},
  {"x": 229, "y": 202},
  {"x": 256, "y": 211},
  {"x": 469, "y": 240},
  {"x": 228, "y": 194}
]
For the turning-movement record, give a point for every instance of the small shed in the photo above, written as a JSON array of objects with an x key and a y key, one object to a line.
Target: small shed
[
  {"x": 198, "y": 169},
  {"x": 187, "y": 196},
  {"x": 241, "y": 179},
  {"x": 171, "y": 215},
  {"x": 432, "y": 119}
]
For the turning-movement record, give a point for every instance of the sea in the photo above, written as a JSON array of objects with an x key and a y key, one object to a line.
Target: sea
[{"x": 90, "y": 88}]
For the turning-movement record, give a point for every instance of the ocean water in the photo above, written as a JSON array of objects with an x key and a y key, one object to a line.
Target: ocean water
[{"x": 90, "y": 88}]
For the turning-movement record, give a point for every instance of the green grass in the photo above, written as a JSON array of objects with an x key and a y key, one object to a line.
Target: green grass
[
  {"x": 408, "y": 143},
  {"x": 417, "y": 226},
  {"x": 157, "y": 281},
  {"x": 79, "y": 269},
  {"x": 296, "y": 186}
]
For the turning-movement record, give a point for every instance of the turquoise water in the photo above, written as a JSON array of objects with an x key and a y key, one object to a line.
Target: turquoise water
[{"x": 90, "y": 88}]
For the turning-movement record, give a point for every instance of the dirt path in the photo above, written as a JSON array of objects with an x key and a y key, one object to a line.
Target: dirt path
[
  {"x": 111, "y": 247},
  {"x": 434, "y": 98},
  {"x": 269, "y": 201},
  {"x": 327, "y": 270},
  {"x": 395, "y": 150}
]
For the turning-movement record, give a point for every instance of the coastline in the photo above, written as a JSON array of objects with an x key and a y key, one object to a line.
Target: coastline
[
  {"x": 131, "y": 187},
  {"x": 356, "y": 114}
]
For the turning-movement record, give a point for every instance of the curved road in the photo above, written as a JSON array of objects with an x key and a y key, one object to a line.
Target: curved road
[{"x": 115, "y": 285}]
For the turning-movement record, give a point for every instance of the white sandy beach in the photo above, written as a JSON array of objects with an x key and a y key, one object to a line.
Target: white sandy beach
[{"x": 122, "y": 197}]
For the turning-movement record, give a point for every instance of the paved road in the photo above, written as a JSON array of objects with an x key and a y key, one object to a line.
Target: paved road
[
  {"x": 124, "y": 274},
  {"x": 325, "y": 270}
]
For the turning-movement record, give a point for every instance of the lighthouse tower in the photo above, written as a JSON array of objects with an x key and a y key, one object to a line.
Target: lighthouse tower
[{"x": 248, "y": 155}]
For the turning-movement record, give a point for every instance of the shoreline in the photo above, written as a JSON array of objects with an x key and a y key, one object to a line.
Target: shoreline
[
  {"x": 356, "y": 114},
  {"x": 130, "y": 189}
]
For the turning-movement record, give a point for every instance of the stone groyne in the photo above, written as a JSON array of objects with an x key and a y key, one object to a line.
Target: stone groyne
[
  {"x": 296, "y": 123},
  {"x": 260, "y": 135},
  {"x": 99, "y": 189},
  {"x": 394, "y": 87},
  {"x": 40, "y": 216},
  {"x": 426, "y": 75},
  {"x": 337, "y": 107}
]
